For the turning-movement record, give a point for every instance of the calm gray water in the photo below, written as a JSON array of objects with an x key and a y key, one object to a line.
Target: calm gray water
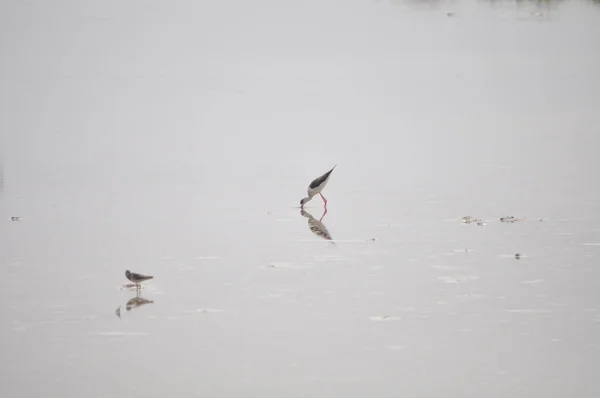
[{"x": 176, "y": 139}]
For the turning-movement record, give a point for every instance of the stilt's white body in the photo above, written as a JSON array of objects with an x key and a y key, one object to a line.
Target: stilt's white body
[{"x": 314, "y": 191}]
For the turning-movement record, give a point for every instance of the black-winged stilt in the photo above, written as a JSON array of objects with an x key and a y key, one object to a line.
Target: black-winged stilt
[
  {"x": 316, "y": 187},
  {"x": 136, "y": 278}
]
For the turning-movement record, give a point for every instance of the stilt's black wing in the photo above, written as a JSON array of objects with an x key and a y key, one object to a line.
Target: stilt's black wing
[{"x": 318, "y": 181}]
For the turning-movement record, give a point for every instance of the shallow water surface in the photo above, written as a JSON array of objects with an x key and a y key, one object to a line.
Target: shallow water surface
[{"x": 177, "y": 141}]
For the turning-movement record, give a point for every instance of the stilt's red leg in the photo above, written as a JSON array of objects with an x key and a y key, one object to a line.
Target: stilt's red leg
[{"x": 323, "y": 197}]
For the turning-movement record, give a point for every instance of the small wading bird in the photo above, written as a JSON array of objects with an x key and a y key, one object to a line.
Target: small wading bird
[
  {"x": 136, "y": 278},
  {"x": 316, "y": 187}
]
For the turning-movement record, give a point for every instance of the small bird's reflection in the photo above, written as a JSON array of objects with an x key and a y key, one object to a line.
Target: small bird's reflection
[
  {"x": 316, "y": 226},
  {"x": 134, "y": 302},
  {"x": 137, "y": 301}
]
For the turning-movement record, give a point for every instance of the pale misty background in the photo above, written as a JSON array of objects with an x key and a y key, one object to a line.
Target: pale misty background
[{"x": 176, "y": 139}]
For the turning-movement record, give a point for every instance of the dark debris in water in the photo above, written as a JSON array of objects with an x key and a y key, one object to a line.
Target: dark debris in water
[
  {"x": 15, "y": 218},
  {"x": 471, "y": 220},
  {"x": 480, "y": 222},
  {"x": 510, "y": 219},
  {"x": 517, "y": 256}
]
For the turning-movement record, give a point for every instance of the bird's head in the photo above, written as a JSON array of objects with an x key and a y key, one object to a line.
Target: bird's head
[
  {"x": 303, "y": 201},
  {"x": 127, "y": 273}
]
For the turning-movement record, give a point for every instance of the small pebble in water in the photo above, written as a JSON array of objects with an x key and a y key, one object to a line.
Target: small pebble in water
[
  {"x": 517, "y": 256},
  {"x": 471, "y": 220},
  {"x": 15, "y": 218}
]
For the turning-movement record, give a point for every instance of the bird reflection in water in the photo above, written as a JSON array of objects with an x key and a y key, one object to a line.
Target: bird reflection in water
[
  {"x": 137, "y": 301},
  {"x": 134, "y": 302},
  {"x": 316, "y": 226}
]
